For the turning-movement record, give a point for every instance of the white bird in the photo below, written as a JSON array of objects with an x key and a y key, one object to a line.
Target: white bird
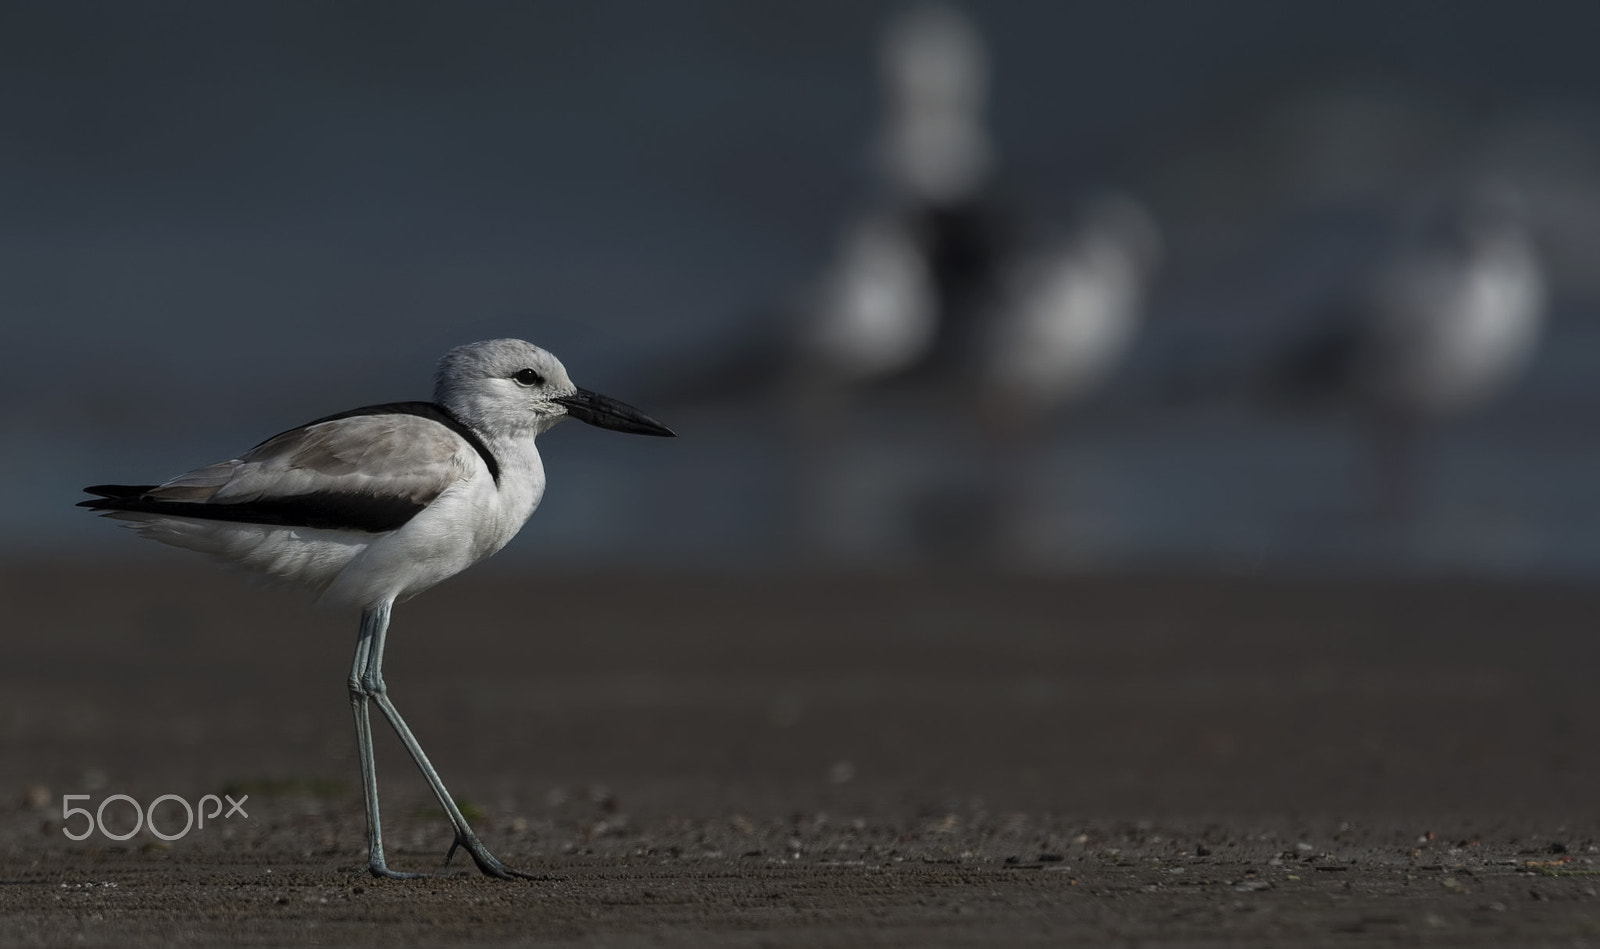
[
  {"x": 876, "y": 310},
  {"x": 1451, "y": 321},
  {"x": 1062, "y": 320},
  {"x": 1069, "y": 312},
  {"x": 377, "y": 504},
  {"x": 1458, "y": 318}
]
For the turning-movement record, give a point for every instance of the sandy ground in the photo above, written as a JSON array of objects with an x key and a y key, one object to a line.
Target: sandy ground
[{"x": 945, "y": 759}]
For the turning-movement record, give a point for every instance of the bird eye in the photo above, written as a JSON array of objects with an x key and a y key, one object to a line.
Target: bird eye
[{"x": 528, "y": 377}]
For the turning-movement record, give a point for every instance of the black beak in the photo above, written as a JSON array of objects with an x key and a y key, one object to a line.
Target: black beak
[{"x": 605, "y": 412}]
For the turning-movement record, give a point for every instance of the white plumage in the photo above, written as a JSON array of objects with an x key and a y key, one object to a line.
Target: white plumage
[
  {"x": 1458, "y": 318},
  {"x": 876, "y": 311},
  {"x": 1071, "y": 311},
  {"x": 466, "y": 514}
]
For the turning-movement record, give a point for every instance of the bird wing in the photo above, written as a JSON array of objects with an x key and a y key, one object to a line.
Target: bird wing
[{"x": 355, "y": 472}]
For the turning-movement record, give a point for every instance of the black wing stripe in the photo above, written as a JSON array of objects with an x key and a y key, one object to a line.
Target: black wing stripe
[
  {"x": 427, "y": 410},
  {"x": 116, "y": 491},
  {"x": 324, "y": 510}
]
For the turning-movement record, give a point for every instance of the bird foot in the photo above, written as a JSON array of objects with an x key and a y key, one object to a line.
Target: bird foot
[
  {"x": 382, "y": 872},
  {"x": 486, "y": 861}
]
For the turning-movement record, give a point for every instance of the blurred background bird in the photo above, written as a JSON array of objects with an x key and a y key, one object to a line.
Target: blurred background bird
[
  {"x": 1448, "y": 322},
  {"x": 1060, "y": 326}
]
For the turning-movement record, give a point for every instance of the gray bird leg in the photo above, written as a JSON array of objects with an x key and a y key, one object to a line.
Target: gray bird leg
[
  {"x": 369, "y": 772},
  {"x": 373, "y": 686}
]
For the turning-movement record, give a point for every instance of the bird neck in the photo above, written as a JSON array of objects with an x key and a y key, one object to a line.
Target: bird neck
[{"x": 521, "y": 483}]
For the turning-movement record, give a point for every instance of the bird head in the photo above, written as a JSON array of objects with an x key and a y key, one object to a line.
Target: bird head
[{"x": 508, "y": 386}]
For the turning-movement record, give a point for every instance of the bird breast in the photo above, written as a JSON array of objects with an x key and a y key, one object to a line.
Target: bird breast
[{"x": 473, "y": 519}]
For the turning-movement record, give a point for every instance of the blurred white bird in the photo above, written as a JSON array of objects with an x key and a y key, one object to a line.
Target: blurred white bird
[
  {"x": 1062, "y": 321},
  {"x": 875, "y": 311},
  {"x": 1451, "y": 321},
  {"x": 1069, "y": 312},
  {"x": 1458, "y": 317}
]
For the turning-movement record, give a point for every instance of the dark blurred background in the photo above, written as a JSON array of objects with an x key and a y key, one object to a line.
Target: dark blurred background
[{"x": 1037, "y": 285}]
